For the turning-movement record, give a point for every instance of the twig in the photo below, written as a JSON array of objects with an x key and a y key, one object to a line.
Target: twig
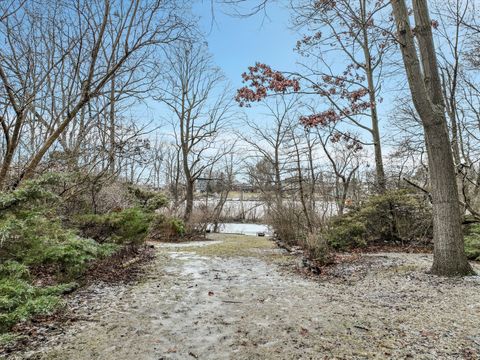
[
  {"x": 465, "y": 204},
  {"x": 410, "y": 182},
  {"x": 361, "y": 327}
]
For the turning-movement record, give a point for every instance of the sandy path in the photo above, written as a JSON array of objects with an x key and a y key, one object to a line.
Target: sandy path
[{"x": 236, "y": 299}]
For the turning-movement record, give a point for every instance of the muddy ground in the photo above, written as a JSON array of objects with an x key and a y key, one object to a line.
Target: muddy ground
[{"x": 239, "y": 297}]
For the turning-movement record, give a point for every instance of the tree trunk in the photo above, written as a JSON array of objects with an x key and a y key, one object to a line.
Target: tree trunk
[
  {"x": 449, "y": 254},
  {"x": 380, "y": 172},
  {"x": 11, "y": 146},
  {"x": 188, "y": 201},
  {"x": 456, "y": 156},
  {"x": 300, "y": 185},
  {"x": 380, "y": 181},
  {"x": 340, "y": 196},
  {"x": 7, "y": 161},
  {"x": 111, "y": 149},
  {"x": 278, "y": 178}
]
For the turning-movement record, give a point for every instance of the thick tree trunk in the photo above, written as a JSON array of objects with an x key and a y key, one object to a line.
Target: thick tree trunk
[{"x": 449, "y": 254}]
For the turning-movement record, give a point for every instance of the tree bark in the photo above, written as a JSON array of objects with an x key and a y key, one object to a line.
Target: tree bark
[
  {"x": 189, "y": 200},
  {"x": 13, "y": 139},
  {"x": 111, "y": 149},
  {"x": 380, "y": 181},
  {"x": 449, "y": 254}
]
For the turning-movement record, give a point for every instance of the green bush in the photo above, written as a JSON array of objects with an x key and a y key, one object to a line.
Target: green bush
[
  {"x": 131, "y": 226},
  {"x": 126, "y": 227},
  {"x": 33, "y": 240},
  {"x": 95, "y": 226},
  {"x": 156, "y": 202},
  {"x": 165, "y": 228},
  {"x": 472, "y": 242},
  {"x": 149, "y": 200},
  {"x": 14, "y": 270},
  {"x": 396, "y": 217},
  {"x": 32, "y": 236},
  {"x": 20, "y": 300},
  {"x": 33, "y": 194},
  {"x": 345, "y": 232},
  {"x": 178, "y": 226},
  {"x": 73, "y": 256}
]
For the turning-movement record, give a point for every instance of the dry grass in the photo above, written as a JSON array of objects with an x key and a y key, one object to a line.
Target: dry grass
[{"x": 231, "y": 245}]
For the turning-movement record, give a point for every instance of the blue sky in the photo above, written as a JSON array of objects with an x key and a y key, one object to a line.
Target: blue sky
[{"x": 237, "y": 43}]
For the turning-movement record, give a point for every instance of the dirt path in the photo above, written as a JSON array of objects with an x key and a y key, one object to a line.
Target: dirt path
[{"x": 236, "y": 298}]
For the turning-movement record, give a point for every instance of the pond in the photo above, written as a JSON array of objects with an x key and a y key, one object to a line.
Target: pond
[
  {"x": 244, "y": 229},
  {"x": 255, "y": 210}
]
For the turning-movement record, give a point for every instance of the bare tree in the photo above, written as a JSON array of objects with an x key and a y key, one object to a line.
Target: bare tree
[
  {"x": 59, "y": 56},
  {"x": 357, "y": 33},
  {"x": 296, "y": 150},
  {"x": 425, "y": 86},
  {"x": 266, "y": 142},
  {"x": 221, "y": 181},
  {"x": 195, "y": 93},
  {"x": 344, "y": 161},
  {"x": 173, "y": 173}
]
